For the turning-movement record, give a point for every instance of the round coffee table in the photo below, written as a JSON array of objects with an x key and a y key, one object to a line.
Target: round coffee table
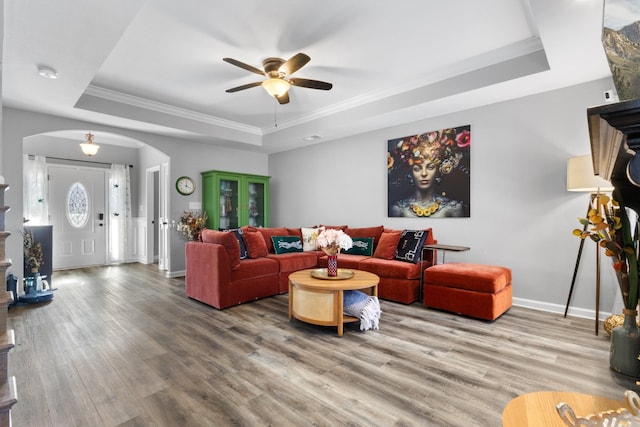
[{"x": 320, "y": 301}]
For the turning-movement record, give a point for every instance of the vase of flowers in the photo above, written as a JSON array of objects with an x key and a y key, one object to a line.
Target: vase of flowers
[
  {"x": 192, "y": 223},
  {"x": 332, "y": 241},
  {"x": 33, "y": 258},
  {"x": 610, "y": 229}
]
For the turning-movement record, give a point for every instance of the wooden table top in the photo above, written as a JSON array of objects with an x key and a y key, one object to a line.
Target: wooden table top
[
  {"x": 539, "y": 408},
  {"x": 361, "y": 279},
  {"x": 452, "y": 248}
]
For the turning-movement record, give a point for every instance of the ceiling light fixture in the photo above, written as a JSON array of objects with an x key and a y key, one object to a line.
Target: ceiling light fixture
[
  {"x": 89, "y": 148},
  {"x": 47, "y": 72},
  {"x": 276, "y": 86}
]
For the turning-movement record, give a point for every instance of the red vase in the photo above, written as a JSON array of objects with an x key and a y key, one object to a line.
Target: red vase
[{"x": 332, "y": 265}]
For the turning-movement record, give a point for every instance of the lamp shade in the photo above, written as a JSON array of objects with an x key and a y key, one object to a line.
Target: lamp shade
[
  {"x": 89, "y": 147},
  {"x": 580, "y": 176},
  {"x": 276, "y": 86}
]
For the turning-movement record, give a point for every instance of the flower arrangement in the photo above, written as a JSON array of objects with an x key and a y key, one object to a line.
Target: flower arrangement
[
  {"x": 331, "y": 241},
  {"x": 192, "y": 223},
  {"x": 610, "y": 228},
  {"x": 32, "y": 252}
]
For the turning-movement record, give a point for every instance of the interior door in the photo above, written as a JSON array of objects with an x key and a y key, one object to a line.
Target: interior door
[{"x": 77, "y": 212}]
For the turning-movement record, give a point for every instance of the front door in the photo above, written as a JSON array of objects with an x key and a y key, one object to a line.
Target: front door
[{"x": 77, "y": 212}]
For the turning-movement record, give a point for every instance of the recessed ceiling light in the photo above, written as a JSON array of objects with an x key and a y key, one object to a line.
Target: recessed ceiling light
[
  {"x": 47, "y": 72},
  {"x": 312, "y": 137}
]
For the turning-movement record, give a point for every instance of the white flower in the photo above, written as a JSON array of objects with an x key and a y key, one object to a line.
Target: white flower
[{"x": 334, "y": 239}]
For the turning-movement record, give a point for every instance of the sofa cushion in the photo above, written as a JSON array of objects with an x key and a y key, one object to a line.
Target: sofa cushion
[
  {"x": 410, "y": 245},
  {"x": 309, "y": 236},
  {"x": 374, "y": 232},
  {"x": 255, "y": 268},
  {"x": 256, "y": 246},
  {"x": 475, "y": 277},
  {"x": 286, "y": 244},
  {"x": 390, "y": 268},
  {"x": 295, "y": 232},
  {"x": 386, "y": 247},
  {"x": 294, "y": 261},
  {"x": 226, "y": 239},
  {"x": 361, "y": 246},
  {"x": 332, "y": 227},
  {"x": 344, "y": 261},
  {"x": 268, "y": 233}
]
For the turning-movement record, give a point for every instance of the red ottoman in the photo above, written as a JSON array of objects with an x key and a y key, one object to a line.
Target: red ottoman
[{"x": 476, "y": 290}]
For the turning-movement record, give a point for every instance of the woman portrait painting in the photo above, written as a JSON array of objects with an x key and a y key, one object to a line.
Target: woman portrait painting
[{"x": 429, "y": 174}]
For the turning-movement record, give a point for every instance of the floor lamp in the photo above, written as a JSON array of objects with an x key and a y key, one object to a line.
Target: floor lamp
[{"x": 580, "y": 177}]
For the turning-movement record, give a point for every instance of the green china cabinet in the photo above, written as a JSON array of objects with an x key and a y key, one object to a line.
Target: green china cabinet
[{"x": 232, "y": 200}]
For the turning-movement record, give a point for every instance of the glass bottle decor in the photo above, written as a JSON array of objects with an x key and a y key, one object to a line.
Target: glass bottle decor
[{"x": 332, "y": 265}]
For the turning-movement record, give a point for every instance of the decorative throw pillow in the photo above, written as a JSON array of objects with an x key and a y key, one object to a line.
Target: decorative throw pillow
[
  {"x": 240, "y": 237},
  {"x": 374, "y": 232},
  {"x": 226, "y": 239},
  {"x": 309, "y": 236},
  {"x": 256, "y": 246},
  {"x": 410, "y": 245},
  {"x": 386, "y": 247},
  {"x": 268, "y": 233},
  {"x": 286, "y": 244},
  {"x": 361, "y": 246}
]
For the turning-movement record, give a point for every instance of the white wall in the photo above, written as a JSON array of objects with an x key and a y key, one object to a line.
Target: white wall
[
  {"x": 186, "y": 158},
  {"x": 521, "y": 214}
]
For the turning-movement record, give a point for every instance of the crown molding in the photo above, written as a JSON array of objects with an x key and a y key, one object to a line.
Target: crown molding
[{"x": 147, "y": 104}]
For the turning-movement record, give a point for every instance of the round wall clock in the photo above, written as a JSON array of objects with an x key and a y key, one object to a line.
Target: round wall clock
[{"x": 185, "y": 185}]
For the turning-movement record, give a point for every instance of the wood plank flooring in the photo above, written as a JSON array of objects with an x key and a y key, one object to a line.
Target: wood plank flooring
[{"x": 123, "y": 346}]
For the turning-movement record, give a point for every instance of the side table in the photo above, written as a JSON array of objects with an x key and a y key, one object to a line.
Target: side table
[{"x": 445, "y": 248}]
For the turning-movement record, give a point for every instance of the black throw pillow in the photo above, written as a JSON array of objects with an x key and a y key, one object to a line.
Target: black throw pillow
[{"x": 409, "y": 247}]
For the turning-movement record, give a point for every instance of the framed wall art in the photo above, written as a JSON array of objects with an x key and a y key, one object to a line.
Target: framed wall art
[{"x": 429, "y": 174}]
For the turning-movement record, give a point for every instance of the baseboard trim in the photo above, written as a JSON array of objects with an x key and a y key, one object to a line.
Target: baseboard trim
[
  {"x": 557, "y": 308},
  {"x": 174, "y": 274}
]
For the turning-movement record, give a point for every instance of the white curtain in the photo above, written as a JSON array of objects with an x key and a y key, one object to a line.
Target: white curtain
[
  {"x": 119, "y": 213},
  {"x": 35, "y": 204}
]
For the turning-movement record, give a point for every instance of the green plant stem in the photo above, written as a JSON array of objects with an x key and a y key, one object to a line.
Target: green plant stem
[{"x": 632, "y": 261}]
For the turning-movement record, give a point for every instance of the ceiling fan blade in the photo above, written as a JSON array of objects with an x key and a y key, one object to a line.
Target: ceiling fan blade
[
  {"x": 294, "y": 63},
  {"x": 312, "y": 84},
  {"x": 243, "y": 87},
  {"x": 243, "y": 65},
  {"x": 283, "y": 99}
]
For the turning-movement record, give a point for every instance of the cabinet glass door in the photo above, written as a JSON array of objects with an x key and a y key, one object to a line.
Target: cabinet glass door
[
  {"x": 256, "y": 205},
  {"x": 229, "y": 201}
]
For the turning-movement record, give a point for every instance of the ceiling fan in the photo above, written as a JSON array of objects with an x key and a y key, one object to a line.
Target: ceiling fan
[{"x": 277, "y": 71}]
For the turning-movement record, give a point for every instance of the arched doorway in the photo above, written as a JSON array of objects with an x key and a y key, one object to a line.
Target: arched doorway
[{"x": 68, "y": 164}]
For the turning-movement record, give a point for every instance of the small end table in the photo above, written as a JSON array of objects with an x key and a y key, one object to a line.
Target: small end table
[{"x": 444, "y": 248}]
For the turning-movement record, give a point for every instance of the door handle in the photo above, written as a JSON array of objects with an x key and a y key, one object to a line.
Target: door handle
[{"x": 100, "y": 216}]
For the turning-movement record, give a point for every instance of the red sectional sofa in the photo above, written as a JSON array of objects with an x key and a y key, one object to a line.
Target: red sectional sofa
[{"x": 216, "y": 275}]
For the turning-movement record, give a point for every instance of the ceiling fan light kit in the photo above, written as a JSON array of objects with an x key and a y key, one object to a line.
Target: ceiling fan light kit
[
  {"x": 276, "y": 86},
  {"x": 276, "y": 71}
]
